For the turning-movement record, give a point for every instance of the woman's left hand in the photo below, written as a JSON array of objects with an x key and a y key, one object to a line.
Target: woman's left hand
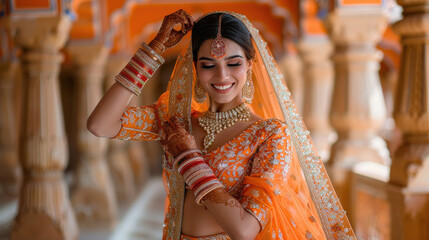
[{"x": 175, "y": 137}]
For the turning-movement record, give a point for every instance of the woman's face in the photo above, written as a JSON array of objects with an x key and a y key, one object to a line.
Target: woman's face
[{"x": 222, "y": 78}]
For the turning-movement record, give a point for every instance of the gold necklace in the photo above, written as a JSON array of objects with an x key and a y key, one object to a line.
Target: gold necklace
[{"x": 215, "y": 122}]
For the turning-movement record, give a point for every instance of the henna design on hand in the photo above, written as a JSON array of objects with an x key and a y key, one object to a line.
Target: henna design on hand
[
  {"x": 167, "y": 35},
  {"x": 175, "y": 137},
  {"x": 220, "y": 196}
]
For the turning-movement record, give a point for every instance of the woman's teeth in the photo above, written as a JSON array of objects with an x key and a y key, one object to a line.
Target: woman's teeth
[{"x": 222, "y": 87}]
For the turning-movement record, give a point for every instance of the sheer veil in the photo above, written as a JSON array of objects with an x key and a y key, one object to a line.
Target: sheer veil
[{"x": 272, "y": 100}]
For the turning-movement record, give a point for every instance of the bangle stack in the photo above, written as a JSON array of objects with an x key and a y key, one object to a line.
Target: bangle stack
[
  {"x": 141, "y": 67},
  {"x": 198, "y": 175}
]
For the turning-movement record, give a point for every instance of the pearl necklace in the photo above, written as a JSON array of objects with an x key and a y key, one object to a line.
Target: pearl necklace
[{"x": 215, "y": 122}]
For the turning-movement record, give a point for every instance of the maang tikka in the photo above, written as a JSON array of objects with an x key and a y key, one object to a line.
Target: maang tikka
[{"x": 218, "y": 48}]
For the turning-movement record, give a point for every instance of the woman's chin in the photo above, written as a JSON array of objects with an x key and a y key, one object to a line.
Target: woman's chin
[{"x": 224, "y": 99}]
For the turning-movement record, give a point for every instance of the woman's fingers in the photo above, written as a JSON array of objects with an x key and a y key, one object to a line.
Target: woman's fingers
[{"x": 188, "y": 22}]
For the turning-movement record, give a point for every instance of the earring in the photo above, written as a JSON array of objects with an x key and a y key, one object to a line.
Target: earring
[
  {"x": 248, "y": 89},
  {"x": 199, "y": 92}
]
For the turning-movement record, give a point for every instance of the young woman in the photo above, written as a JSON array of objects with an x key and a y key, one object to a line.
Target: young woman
[{"x": 238, "y": 163}]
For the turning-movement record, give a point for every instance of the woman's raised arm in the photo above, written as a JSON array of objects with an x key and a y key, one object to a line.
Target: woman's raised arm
[{"x": 105, "y": 120}]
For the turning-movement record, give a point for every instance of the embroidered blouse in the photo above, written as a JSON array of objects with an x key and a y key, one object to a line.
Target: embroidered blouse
[{"x": 258, "y": 167}]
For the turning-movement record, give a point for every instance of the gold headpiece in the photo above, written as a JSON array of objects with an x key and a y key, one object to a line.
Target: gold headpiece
[{"x": 218, "y": 48}]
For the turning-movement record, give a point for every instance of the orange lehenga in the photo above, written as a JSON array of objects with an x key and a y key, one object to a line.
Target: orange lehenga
[
  {"x": 272, "y": 167},
  {"x": 257, "y": 167}
]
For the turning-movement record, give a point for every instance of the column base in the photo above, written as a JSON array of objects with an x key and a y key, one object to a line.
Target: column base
[
  {"x": 93, "y": 197},
  {"x": 44, "y": 211}
]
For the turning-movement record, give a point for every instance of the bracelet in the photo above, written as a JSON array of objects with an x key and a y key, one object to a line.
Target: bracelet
[
  {"x": 138, "y": 70},
  {"x": 154, "y": 54},
  {"x": 140, "y": 67},
  {"x": 150, "y": 62},
  {"x": 184, "y": 154},
  {"x": 206, "y": 191},
  {"x": 197, "y": 174},
  {"x": 128, "y": 85},
  {"x": 135, "y": 75}
]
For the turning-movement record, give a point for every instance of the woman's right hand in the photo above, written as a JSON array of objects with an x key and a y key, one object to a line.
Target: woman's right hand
[{"x": 167, "y": 36}]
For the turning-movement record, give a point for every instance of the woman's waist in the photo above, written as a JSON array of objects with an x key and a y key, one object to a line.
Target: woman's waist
[{"x": 197, "y": 221}]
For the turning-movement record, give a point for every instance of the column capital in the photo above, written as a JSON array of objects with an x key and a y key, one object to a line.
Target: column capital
[
  {"x": 315, "y": 49},
  {"x": 357, "y": 26},
  {"x": 40, "y": 33},
  {"x": 416, "y": 20}
]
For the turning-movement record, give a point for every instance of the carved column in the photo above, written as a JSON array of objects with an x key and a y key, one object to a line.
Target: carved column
[
  {"x": 319, "y": 79},
  {"x": 410, "y": 165},
  {"x": 10, "y": 170},
  {"x": 357, "y": 109},
  {"x": 93, "y": 194},
  {"x": 291, "y": 67},
  {"x": 118, "y": 158},
  {"x": 44, "y": 207}
]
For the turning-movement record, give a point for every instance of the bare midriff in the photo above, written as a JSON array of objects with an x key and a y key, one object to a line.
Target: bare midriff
[{"x": 197, "y": 221}]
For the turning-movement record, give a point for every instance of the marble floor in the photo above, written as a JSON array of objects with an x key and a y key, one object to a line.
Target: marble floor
[{"x": 141, "y": 220}]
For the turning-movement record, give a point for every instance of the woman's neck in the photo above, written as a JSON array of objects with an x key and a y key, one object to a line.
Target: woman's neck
[{"x": 223, "y": 107}]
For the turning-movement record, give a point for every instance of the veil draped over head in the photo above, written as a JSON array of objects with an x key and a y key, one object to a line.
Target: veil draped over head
[{"x": 272, "y": 99}]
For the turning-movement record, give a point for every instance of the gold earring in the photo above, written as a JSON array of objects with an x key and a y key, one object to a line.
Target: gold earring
[
  {"x": 199, "y": 92},
  {"x": 248, "y": 89}
]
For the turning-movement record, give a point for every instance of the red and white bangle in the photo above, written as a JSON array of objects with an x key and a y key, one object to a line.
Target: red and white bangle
[
  {"x": 184, "y": 154},
  {"x": 154, "y": 55},
  {"x": 199, "y": 177},
  {"x": 138, "y": 71}
]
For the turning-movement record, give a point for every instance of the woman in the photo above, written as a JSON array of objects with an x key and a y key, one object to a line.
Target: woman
[{"x": 232, "y": 170}]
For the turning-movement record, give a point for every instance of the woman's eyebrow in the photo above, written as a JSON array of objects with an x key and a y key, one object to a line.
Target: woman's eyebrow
[
  {"x": 228, "y": 58},
  {"x": 234, "y": 56}
]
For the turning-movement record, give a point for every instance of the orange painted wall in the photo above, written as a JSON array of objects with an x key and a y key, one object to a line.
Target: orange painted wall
[{"x": 30, "y": 4}]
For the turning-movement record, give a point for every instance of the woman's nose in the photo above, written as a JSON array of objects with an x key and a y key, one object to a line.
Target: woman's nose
[{"x": 221, "y": 73}]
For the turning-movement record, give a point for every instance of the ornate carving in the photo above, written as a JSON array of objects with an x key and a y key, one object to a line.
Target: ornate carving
[
  {"x": 410, "y": 162},
  {"x": 358, "y": 109},
  {"x": 43, "y": 145}
]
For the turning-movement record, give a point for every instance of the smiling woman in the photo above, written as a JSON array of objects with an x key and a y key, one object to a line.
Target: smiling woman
[{"x": 235, "y": 147}]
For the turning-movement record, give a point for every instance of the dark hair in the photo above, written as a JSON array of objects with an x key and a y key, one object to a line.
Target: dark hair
[{"x": 232, "y": 28}]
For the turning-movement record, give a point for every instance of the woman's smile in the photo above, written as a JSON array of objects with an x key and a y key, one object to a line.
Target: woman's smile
[{"x": 222, "y": 88}]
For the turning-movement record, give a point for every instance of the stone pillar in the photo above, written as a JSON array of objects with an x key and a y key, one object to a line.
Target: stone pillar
[
  {"x": 291, "y": 67},
  {"x": 118, "y": 158},
  {"x": 319, "y": 78},
  {"x": 357, "y": 108},
  {"x": 93, "y": 196},
  {"x": 44, "y": 208},
  {"x": 410, "y": 164},
  {"x": 10, "y": 170}
]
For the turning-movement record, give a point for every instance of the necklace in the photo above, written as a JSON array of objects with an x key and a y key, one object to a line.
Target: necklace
[{"x": 215, "y": 122}]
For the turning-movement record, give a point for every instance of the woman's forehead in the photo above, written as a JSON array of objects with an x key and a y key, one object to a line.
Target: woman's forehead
[{"x": 232, "y": 48}]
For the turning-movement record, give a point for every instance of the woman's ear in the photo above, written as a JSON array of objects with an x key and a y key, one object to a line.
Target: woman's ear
[{"x": 250, "y": 64}]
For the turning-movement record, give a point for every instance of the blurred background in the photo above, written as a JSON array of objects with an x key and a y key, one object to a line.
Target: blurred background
[{"x": 358, "y": 72}]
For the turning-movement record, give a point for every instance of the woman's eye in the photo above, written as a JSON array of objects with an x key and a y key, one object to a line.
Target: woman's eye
[
  {"x": 207, "y": 66},
  {"x": 234, "y": 64}
]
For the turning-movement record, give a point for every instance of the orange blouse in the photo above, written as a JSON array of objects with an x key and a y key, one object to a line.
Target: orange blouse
[{"x": 257, "y": 167}]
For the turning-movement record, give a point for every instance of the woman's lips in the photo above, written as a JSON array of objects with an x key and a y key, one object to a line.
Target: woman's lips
[{"x": 222, "y": 88}]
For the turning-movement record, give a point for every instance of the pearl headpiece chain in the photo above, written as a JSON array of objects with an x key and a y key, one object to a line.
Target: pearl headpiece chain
[{"x": 214, "y": 122}]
